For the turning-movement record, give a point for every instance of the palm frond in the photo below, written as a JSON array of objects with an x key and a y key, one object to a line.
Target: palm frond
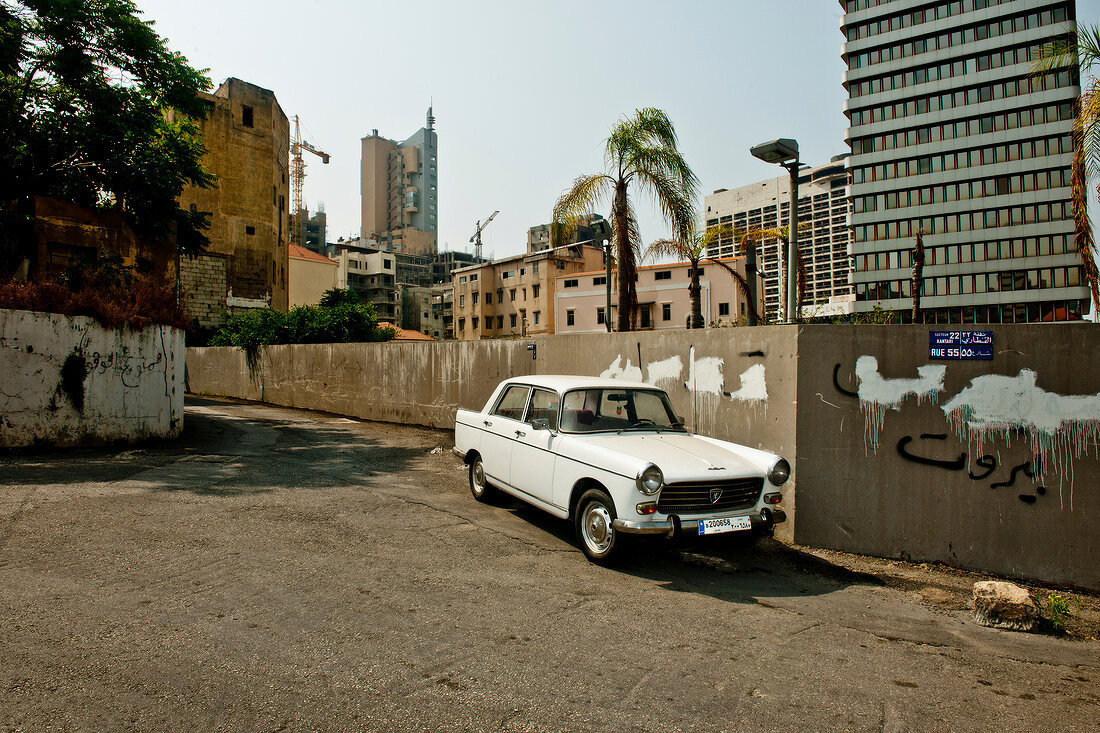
[
  {"x": 742, "y": 286},
  {"x": 579, "y": 200},
  {"x": 664, "y": 248}
]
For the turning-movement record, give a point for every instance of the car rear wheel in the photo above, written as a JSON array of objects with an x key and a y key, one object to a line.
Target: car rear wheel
[
  {"x": 596, "y": 533},
  {"x": 482, "y": 490}
]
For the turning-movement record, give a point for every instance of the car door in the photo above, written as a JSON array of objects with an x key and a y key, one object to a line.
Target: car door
[
  {"x": 501, "y": 426},
  {"x": 532, "y": 463}
]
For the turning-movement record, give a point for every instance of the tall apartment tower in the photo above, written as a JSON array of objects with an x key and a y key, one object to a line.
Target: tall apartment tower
[
  {"x": 398, "y": 186},
  {"x": 950, "y": 135},
  {"x": 823, "y": 202}
]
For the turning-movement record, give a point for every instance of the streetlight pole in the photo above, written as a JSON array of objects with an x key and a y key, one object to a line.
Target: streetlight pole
[{"x": 784, "y": 151}]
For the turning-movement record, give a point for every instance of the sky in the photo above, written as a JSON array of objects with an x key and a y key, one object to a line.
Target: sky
[{"x": 525, "y": 93}]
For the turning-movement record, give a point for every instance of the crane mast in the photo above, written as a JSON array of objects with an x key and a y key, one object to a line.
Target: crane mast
[
  {"x": 298, "y": 177},
  {"x": 476, "y": 239}
]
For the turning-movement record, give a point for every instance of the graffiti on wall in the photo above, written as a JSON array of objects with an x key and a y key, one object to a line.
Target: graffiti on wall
[
  {"x": 1057, "y": 428},
  {"x": 705, "y": 378}
]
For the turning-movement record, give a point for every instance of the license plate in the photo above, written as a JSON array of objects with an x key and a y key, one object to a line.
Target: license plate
[{"x": 725, "y": 524}]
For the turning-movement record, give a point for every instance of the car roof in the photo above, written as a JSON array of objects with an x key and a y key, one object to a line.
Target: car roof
[{"x": 565, "y": 382}]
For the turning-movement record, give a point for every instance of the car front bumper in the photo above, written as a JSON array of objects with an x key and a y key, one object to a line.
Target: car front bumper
[{"x": 672, "y": 524}]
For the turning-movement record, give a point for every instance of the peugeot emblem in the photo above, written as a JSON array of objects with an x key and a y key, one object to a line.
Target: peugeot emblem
[{"x": 715, "y": 495}]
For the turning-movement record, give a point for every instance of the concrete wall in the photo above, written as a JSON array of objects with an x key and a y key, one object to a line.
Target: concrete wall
[
  {"x": 988, "y": 465},
  {"x": 69, "y": 381}
]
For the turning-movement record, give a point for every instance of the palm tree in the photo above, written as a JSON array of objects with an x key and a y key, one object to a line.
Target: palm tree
[
  {"x": 918, "y": 273},
  {"x": 754, "y": 236},
  {"x": 691, "y": 248},
  {"x": 640, "y": 150},
  {"x": 1081, "y": 47}
]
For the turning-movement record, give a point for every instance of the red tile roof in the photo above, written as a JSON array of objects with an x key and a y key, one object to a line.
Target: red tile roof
[
  {"x": 302, "y": 253},
  {"x": 404, "y": 334}
]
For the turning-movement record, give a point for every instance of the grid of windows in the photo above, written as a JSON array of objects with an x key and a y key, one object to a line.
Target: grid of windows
[{"x": 980, "y": 163}]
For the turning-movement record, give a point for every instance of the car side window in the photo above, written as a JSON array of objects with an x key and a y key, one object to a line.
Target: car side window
[
  {"x": 512, "y": 402},
  {"x": 544, "y": 405}
]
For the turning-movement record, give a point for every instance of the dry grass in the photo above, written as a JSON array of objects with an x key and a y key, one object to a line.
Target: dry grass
[{"x": 136, "y": 304}]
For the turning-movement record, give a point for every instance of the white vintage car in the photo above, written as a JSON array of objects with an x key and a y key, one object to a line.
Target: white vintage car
[{"x": 614, "y": 457}]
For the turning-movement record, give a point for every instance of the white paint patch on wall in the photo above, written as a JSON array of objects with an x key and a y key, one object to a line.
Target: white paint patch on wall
[
  {"x": 1060, "y": 428},
  {"x": 878, "y": 394},
  {"x": 618, "y": 371},
  {"x": 753, "y": 385},
  {"x": 70, "y": 381},
  {"x": 668, "y": 369}
]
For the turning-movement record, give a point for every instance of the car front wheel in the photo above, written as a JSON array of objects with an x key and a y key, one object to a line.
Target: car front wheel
[
  {"x": 596, "y": 533},
  {"x": 479, "y": 487}
]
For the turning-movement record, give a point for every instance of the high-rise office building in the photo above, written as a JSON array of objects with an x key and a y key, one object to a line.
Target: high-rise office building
[
  {"x": 822, "y": 233},
  {"x": 398, "y": 187},
  {"x": 951, "y": 135}
]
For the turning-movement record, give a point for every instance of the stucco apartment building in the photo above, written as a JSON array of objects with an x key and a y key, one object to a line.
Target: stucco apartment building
[
  {"x": 580, "y": 299},
  {"x": 247, "y": 137},
  {"x": 310, "y": 276},
  {"x": 515, "y": 296}
]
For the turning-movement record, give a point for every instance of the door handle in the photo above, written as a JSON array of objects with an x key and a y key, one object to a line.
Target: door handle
[
  {"x": 487, "y": 424},
  {"x": 520, "y": 434}
]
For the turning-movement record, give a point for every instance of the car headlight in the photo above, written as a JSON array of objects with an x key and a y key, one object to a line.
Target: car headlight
[
  {"x": 650, "y": 480},
  {"x": 779, "y": 472}
]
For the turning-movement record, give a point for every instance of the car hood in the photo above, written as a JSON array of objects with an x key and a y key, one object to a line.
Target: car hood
[{"x": 680, "y": 456}]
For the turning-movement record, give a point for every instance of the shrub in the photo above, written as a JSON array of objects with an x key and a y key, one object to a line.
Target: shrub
[{"x": 307, "y": 324}]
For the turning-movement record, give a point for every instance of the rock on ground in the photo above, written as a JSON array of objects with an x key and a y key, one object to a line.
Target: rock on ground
[{"x": 1004, "y": 606}]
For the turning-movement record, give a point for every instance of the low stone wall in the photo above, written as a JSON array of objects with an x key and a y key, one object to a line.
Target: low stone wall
[
  {"x": 989, "y": 465},
  {"x": 70, "y": 381}
]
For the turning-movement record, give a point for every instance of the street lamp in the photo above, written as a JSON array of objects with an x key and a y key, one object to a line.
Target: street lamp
[
  {"x": 784, "y": 151},
  {"x": 601, "y": 233}
]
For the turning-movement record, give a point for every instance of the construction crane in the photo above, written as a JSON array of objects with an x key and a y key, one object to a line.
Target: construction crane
[
  {"x": 298, "y": 177},
  {"x": 476, "y": 239}
]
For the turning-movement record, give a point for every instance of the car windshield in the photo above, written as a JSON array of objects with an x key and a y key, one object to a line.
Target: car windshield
[{"x": 614, "y": 409}]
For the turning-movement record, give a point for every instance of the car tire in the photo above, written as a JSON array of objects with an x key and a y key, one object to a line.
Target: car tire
[
  {"x": 596, "y": 533},
  {"x": 480, "y": 487}
]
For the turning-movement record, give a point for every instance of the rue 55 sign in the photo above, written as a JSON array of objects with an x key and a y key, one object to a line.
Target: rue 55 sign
[{"x": 960, "y": 344}]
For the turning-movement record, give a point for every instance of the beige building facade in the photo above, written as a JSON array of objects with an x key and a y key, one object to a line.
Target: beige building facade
[
  {"x": 310, "y": 276},
  {"x": 580, "y": 299},
  {"x": 514, "y": 296},
  {"x": 247, "y": 137}
]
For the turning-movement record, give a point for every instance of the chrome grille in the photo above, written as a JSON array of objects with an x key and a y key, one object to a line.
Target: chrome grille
[{"x": 693, "y": 497}]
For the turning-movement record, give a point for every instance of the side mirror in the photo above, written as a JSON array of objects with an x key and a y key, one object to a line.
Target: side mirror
[{"x": 542, "y": 423}]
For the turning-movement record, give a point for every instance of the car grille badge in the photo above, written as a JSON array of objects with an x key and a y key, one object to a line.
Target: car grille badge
[{"x": 715, "y": 495}]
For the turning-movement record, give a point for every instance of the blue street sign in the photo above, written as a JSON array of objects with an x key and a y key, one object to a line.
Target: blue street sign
[{"x": 960, "y": 344}]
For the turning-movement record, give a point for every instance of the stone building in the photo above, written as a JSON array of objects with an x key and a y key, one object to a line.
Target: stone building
[{"x": 247, "y": 137}]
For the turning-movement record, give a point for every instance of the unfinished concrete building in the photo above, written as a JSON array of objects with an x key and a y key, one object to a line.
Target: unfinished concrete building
[{"x": 247, "y": 138}]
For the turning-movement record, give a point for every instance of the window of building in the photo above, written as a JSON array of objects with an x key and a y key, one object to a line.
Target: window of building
[
  {"x": 662, "y": 275},
  {"x": 512, "y": 320},
  {"x": 488, "y": 297},
  {"x": 500, "y": 322},
  {"x": 570, "y": 318},
  {"x": 246, "y": 115},
  {"x": 512, "y": 295},
  {"x": 474, "y": 322},
  {"x": 507, "y": 274},
  {"x": 473, "y": 278},
  {"x": 599, "y": 280},
  {"x": 537, "y": 314},
  {"x": 534, "y": 291},
  {"x": 249, "y": 230},
  {"x": 599, "y": 316},
  {"x": 723, "y": 309},
  {"x": 387, "y": 264},
  {"x": 461, "y": 279},
  {"x": 569, "y": 284},
  {"x": 644, "y": 312},
  {"x": 473, "y": 298},
  {"x": 461, "y": 300},
  {"x": 666, "y": 311},
  {"x": 524, "y": 293}
]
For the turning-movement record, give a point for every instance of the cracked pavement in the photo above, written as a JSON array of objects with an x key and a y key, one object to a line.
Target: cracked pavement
[{"x": 284, "y": 570}]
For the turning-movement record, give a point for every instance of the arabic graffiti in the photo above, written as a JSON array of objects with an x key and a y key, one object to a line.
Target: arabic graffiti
[
  {"x": 986, "y": 462},
  {"x": 129, "y": 367}
]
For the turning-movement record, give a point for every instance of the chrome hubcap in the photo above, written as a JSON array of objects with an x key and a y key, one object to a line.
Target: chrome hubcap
[
  {"x": 597, "y": 527},
  {"x": 479, "y": 477}
]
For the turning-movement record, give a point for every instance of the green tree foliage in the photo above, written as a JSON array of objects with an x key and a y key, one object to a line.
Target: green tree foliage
[
  {"x": 692, "y": 247},
  {"x": 343, "y": 321},
  {"x": 641, "y": 150},
  {"x": 85, "y": 86}
]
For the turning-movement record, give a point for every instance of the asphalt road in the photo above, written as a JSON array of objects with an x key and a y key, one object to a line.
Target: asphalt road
[{"x": 281, "y": 570}]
